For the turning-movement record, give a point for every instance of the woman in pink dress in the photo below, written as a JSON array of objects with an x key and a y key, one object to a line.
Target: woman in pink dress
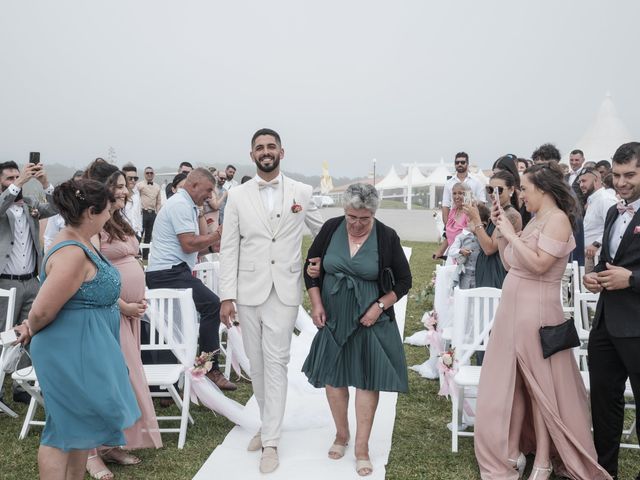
[
  {"x": 545, "y": 399},
  {"x": 457, "y": 219},
  {"x": 119, "y": 245}
]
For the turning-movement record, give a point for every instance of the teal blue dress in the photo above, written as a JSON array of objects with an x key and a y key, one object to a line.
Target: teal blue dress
[
  {"x": 88, "y": 397},
  {"x": 345, "y": 353}
]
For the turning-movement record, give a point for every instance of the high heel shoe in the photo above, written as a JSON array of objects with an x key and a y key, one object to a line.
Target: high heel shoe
[
  {"x": 520, "y": 464},
  {"x": 540, "y": 473}
]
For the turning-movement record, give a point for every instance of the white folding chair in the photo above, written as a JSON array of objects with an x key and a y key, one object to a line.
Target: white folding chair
[
  {"x": 10, "y": 295},
  {"x": 208, "y": 273},
  {"x": 27, "y": 379},
  {"x": 163, "y": 303},
  {"x": 473, "y": 315}
]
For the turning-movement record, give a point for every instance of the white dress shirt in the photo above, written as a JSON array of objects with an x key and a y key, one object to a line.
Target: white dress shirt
[
  {"x": 229, "y": 184},
  {"x": 272, "y": 194},
  {"x": 133, "y": 211},
  {"x": 619, "y": 227},
  {"x": 54, "y": 225},
  {"x": 23, "y": 257},
  {"x": 598, "y": 204},
  {"x": 477, "y": 188}
]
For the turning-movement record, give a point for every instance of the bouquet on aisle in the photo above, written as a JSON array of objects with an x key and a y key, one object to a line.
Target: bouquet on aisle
[{"x": 202, "y": 364}]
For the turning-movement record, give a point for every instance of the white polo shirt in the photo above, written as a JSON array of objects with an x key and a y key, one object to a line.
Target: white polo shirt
[{"x": 476, "y": 186}]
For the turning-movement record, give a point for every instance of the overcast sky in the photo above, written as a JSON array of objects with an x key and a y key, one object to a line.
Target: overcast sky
[{"x": 342, "y": 81}]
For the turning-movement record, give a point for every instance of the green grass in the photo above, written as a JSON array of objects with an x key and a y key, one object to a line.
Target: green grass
[{"x": 421, "y": 447}]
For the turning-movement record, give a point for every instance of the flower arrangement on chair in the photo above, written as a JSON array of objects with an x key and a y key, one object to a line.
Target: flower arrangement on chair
[
  {"x": 447, "y": 366},
  {"x": 202, "y": 365}
]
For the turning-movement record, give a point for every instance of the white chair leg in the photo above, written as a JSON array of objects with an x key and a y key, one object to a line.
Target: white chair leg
[
  {"x": 454, "y": 422},
  {"x": 28, "y": 418},
  {"x": 185, "y": 412},
  {"x": 176, "y": 398},
  {"x": 228, "y": 360}
]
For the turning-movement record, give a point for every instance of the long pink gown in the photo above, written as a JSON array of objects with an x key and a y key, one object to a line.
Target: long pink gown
[
  {"x": 528, "y": 301},
  {"x": 144, "y": 433}
]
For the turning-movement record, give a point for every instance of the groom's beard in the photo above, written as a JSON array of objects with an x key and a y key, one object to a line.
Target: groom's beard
[{"x": 275, "y": 163}]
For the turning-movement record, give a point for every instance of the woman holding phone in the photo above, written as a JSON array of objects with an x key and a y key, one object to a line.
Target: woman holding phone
[
  {"x": 490, "y": 271},
  {"x": 458, "y": 219}
]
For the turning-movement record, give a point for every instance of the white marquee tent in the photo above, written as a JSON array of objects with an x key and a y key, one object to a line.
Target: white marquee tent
[
  {"x": 390, "y": 181},
  {"x": 606, "y": 133}
]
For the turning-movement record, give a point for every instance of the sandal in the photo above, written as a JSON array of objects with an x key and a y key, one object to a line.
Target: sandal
[
  {"x": 103, "y": 474},
  {"x": 364, "y": 467},
  {"x": 336, "y": 451},
  {"x": 119, "y": 456}
]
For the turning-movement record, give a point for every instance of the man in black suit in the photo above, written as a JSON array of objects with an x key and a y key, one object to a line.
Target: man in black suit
[{"x": 614, "y": 342}]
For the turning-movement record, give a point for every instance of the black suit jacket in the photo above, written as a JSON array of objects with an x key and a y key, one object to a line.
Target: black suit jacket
[{"x": 621, "y": 308}]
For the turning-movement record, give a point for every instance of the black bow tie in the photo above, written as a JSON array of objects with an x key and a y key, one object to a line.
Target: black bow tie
[{"x": 149, "y": 183}]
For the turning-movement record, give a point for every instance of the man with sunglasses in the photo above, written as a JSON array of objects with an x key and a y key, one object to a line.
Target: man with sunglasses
[
  {"x": 133, "y": 208},
  {"x": 598, "y": 202},
  {"x": 462, "y": 175}
]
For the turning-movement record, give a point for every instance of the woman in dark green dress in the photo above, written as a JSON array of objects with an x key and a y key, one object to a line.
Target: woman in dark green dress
[{"x": 356, "y": 270}]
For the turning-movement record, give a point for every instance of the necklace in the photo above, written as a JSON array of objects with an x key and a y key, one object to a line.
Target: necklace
[{"x": 541, "y": 216}]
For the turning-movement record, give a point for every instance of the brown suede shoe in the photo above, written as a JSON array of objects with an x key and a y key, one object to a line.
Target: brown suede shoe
[{"x": 220, "y": 380}]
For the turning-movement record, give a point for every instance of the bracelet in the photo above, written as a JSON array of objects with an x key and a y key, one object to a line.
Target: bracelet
[{"x": 478, "y": 226}]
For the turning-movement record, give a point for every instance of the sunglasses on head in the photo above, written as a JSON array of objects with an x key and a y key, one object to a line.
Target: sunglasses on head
[{"x": 491, "y": 189}]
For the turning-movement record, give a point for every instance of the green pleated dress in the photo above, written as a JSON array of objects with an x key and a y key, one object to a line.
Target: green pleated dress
[{"x": 345, "y": 353}]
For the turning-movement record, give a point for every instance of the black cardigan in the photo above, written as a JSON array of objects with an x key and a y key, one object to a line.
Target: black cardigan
[{"x": 390, "y": 255}]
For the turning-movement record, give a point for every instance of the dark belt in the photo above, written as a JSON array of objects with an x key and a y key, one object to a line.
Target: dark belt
[
  {"x": 151, "y": 210},
  {"x": 20, "y": 278}
]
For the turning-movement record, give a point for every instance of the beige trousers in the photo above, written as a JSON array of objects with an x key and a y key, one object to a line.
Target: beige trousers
[{"x": 266, "y": 333}]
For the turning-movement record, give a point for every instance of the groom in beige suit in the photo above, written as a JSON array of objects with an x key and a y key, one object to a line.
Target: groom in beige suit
[{"x": 261, "y": 270}]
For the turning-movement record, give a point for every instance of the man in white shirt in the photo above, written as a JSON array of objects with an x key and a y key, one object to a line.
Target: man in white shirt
[
  {"x": 462, "y": 175},
  {"x": 599, "y": 201},
  {"x": 230, "y": 172},
  {"x": 20, "y": 251},
  {"x": 133, "y": 208},
  {"x": 261, "y": 271}
]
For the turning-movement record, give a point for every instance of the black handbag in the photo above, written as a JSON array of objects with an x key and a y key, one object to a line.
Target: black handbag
[
  {"x": 387, "y": 280},
  {"x": 558, "y": 337}
]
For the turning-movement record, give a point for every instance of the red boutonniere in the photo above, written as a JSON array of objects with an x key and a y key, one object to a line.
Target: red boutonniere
[
  {"x": 636, "y": 230},
  {"x": 296, "y": 207}
]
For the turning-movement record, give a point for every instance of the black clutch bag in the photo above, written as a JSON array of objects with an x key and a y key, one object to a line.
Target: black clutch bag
[
  {"x": 558, "y": 337},
  {"x": 387, "y": 279}
]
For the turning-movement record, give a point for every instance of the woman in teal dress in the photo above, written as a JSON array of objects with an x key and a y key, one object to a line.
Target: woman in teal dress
[
  {"x": 75, "y": 348},
  {"x": 356, "y": 270}
]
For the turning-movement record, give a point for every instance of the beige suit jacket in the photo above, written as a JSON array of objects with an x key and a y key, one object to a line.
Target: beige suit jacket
[{"x": 253, "y": 257}]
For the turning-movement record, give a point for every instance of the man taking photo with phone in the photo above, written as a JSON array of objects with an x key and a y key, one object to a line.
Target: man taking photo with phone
[{"x": 20, "y": 250}]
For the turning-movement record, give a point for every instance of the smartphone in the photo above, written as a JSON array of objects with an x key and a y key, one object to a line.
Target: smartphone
[
  {"x": 496, "y": 197},
  {"x": 34, "y": 157},
  {"x": 467, "y": 198}
]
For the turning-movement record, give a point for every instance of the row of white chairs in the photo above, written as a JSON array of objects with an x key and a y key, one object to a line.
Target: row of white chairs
[
  {"x": 165, "y": 376},
  {"x": 473, "y": 315}
]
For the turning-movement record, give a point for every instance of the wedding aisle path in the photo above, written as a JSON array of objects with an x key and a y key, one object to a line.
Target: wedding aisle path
[{"x": 308, "y": 429}]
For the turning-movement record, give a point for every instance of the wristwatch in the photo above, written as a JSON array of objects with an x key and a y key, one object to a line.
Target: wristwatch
[{"x": 381, "y": 305}]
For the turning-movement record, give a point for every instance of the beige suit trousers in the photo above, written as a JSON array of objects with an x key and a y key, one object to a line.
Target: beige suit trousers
[{"x": 266, "y": 333}]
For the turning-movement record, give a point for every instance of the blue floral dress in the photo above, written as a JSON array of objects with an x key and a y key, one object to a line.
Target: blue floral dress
[{"x": 84, "y": 380}]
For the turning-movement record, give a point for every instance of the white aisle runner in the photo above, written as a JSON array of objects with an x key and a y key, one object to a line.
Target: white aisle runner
[{"x": 308, "y": 429}]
